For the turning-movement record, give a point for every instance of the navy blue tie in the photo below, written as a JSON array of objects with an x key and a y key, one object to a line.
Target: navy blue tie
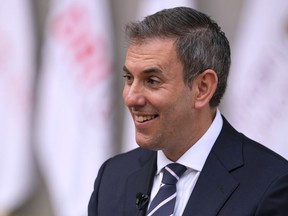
[{"x": 164, "y": 202}]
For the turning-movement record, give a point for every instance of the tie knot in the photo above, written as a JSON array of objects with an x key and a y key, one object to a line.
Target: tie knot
[{"x": 172, "y": 173}]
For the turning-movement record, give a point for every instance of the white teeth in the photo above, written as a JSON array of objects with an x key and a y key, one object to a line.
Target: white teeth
[
  {"x": 143, "y": 118},
  {"x": 140, "y": 118}
]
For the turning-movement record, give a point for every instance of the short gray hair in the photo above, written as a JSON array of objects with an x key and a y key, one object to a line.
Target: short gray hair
[{"x": 200, "y": 43}]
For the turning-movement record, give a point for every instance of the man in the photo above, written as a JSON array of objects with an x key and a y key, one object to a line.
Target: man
[{"x": 176, "y": 71}]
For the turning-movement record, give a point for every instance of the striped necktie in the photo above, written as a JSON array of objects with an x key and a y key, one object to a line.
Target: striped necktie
[{"x": 164, "y": 202}]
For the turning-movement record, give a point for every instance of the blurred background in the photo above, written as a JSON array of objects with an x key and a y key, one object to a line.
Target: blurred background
[{"x": 61, "y": 108}]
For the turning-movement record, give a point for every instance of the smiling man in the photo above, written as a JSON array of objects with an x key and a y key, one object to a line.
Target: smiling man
[
  {"x": 190, "y": 160},
  {"x": 160, "y": 101}
]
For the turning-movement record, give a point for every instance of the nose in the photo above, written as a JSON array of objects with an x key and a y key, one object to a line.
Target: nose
[{"x": 133, "y": 95}]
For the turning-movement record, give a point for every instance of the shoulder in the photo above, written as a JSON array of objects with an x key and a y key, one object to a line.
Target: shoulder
[
  {"x": 120, "y": 167},
  {"x": 254, "y": 155},
  {"x": 135, "y": 155},
  {"x": 129, "y": 161},
  {"x": 261, "y": 156}
]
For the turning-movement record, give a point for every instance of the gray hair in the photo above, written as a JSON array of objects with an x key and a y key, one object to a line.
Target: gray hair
[{"x": 200, "y": 43}]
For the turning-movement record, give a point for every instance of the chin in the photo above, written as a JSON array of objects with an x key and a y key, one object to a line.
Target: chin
[{"x": 148, "y": 145}]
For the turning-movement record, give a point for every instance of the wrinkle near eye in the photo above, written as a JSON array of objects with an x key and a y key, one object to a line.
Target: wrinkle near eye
[
  {"x": 154, "y": 81},
  {"x": 128, "y": 78}
]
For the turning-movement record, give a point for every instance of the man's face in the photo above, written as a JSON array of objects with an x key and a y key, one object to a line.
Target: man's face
[{"x": 160, "y": 103}]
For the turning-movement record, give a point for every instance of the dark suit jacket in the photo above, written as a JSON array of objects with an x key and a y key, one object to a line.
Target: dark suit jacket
[{"x": 240, "y": 178}]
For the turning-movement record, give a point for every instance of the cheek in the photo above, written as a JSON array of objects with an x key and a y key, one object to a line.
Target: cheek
[
  {"x": 180, "y": 109},
  {"x": 172, "y": 109}
]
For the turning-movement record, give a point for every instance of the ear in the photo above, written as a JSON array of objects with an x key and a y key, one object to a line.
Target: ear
[{"x": 204, "y": 85}]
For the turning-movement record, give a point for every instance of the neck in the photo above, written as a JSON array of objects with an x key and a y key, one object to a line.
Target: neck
[{"x": 202, "y": 122}]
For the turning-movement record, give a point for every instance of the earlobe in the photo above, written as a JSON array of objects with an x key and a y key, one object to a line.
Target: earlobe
[{"x": 205, "y": 86}]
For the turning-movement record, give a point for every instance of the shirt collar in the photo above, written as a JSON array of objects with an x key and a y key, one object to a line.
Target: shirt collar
[{"x": 196, "y": 156}]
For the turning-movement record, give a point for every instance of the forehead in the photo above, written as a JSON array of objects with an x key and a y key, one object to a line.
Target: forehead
[
  {"x": 155, "y": 52},
  {"x": 153, "y": 42}
]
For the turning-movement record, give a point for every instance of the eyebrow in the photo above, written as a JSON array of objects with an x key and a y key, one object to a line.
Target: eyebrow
[
  {"x": 125, "y": 69},
  {"x": 146, "y": 71}
]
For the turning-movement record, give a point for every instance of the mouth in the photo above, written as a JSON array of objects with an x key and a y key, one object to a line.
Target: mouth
[{"x": 144, "y": 118}]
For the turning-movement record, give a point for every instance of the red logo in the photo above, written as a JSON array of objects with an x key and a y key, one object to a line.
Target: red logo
[{"x": 87, "y": 50}]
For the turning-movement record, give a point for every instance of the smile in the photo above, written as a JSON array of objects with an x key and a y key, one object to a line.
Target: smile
[{"x": 141, "y": 118}]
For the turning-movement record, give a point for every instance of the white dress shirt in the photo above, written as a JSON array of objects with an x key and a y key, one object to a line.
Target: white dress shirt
[{"x": 194, "y": 160}]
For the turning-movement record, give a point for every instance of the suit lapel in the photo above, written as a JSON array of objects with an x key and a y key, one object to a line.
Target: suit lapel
[
  {"x": 140, "y": 182},
  {"x": 212, "y": 189},
  {"x": 216, "y": 184}
]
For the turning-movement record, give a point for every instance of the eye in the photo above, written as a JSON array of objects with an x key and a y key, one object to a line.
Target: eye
[
  {"x": 128, "y": 78},
  {"x": 153, "y": 81}
]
